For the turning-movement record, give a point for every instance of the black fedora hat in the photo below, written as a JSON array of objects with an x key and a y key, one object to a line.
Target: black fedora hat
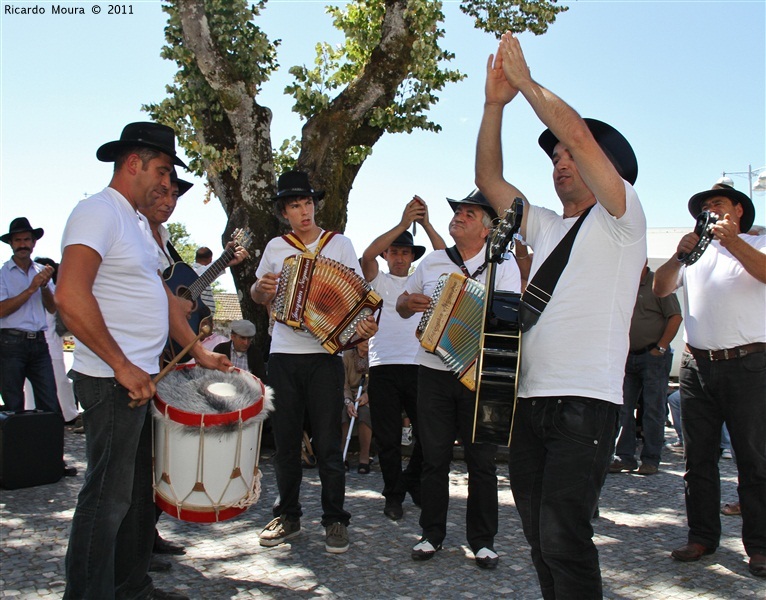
[
  {"x": 144, "y": 134},
  {"x": 21, "y": 225},
  {"x": 295, "y": 183},
  {"x": 477, "y": 198},
  {"x": 183, "y": 186},
  {"x": 612, "y": 142},
  {"x": 748, "y": 215},
  {"x": 405, "y": 240}
]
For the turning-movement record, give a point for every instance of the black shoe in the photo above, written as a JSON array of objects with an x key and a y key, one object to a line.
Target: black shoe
[
  {"x": 162, "y": 595},
  {"x": 165, "y": 547},
  {"x": 70, "y": 471},
  {"x": 157, "y": 565},
  {"x": 424, "y": 550},
  {"x": 393, "y": 510},
  {"x": 487, "y": 558}
]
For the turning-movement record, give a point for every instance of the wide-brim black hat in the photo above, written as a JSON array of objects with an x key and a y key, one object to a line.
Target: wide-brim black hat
[
  {"x": 144, "y": 134},
  {"x": 183, "y": 186},
  {"x": 21, "y": 225},
  {"x": 405, "y": 240},
  {"x": 612, "y": 142},
  {"x": 295, "y": 183},
  {"x": 748, "y": 214},
  {"x": 477, "y": 198}
]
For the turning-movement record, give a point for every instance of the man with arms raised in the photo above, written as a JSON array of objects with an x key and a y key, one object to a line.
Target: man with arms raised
[
  {"x": 446, "y": 407},
  {"x": 573, "y": 359},
  {"x": 723, "y": 370},
  {"x": 112, "y": 298},
  {"x": 393, "y": 383}
]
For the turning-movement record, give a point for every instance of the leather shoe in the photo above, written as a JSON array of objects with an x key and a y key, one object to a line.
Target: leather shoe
[
  {"x": 70, "y": 471},
  {"x": 163, "y": 595},
  {"x": 162, "y": 546},
  {"x": 393, "y": 510},
  {"x": 157, "y": 565},
  {"x": 691, "y": 552},
  {"x": 758, "y": 565},
  {"x": 486, "y": 558}
]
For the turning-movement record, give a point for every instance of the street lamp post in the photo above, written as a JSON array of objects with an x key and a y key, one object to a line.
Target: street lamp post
[{"x": 759, "y": 174}]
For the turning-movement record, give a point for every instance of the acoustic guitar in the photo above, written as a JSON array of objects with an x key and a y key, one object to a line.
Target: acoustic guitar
[{"x": 184, "y": 282}]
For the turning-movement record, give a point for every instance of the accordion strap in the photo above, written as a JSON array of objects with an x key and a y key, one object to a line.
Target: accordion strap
[
  {"x": 296, "y": 242},
  {"x": 455, "y": 257}
]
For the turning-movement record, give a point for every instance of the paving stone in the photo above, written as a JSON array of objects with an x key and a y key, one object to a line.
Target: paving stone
[{"x": 642, "y": 520}]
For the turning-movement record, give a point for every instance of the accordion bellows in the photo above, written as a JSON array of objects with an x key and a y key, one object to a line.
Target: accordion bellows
[
  {"x": 451, "y": 326},
  {"x": 325, "y": 298}
]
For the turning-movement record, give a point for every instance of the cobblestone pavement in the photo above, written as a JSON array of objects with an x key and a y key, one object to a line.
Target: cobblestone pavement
[{"x": 642, "y": 519}]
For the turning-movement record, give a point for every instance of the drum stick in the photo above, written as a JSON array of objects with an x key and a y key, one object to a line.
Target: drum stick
[
  {"x": 204, "y": 329},
  {"x": 351, "y": 423}
]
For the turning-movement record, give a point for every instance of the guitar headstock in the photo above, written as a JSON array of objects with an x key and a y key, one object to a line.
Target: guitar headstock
[
  {"x": 502, "y": 234},
  {"x": 242, "y": 236}
]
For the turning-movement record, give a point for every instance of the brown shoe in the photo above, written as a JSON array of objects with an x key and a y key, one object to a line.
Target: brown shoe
[
  {"x": 691, "y": 552},
  {"x": 645, "y": 469},
  {"x": 758, "y": 565},
  {"x": 618, "y": 466},
  {"x": 731, "y": 509}
]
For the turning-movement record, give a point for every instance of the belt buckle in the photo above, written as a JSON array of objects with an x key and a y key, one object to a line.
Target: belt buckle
[
  {"x": 711, "y": 355},
  {"x": 31, "y": 335}
]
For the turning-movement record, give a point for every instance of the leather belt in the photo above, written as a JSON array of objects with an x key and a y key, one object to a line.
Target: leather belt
[
  {"x": 30, "y": 335},
  {"x": 642, "y": 350},
  {"x": 728, "y": 353}
]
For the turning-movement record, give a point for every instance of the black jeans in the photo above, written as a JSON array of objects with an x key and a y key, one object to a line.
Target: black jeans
[
  {"x": 714, "y": 392},
  {"x": 312, "y": 382},
  {"x": 393, "y": 388},
  {"x": 26, "y": 358},
  {"x": 445, "y": 412},
  {"x": 560, "y": 450}
]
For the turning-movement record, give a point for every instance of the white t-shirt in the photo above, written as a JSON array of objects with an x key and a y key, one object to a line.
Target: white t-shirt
[
  {"x": 579, "y": 345},
  {"x": 285, "y": 339},
  {"x": 128, "y": 289},
  {"x": 724, "y": 306},
  {"x": 426, "y": 276},
  {"x": 395, "y": 343}
]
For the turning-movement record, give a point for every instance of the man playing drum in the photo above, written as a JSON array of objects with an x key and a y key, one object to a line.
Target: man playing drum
[{"x": 113, "y": 299}]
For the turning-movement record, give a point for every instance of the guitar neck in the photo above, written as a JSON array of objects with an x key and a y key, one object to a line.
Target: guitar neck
[{"x": 211, "y": 274}]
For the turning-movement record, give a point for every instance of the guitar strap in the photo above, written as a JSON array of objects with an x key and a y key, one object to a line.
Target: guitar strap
[
  {"x": 296, "y": 243},
  {"x": 455, "y": 257},
  {"x": 173, "y": 253},
  {"x": 539, "y": 291}
]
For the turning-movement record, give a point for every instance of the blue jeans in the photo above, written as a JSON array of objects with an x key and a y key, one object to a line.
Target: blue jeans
[
  {"x": 110, "y": 544},
  {"x": 446, "y": 412},
  {"x": 393, "y": 388},
  {"x": 312, "y": 382},
  {"x": 734, "y": 392},
  {"x": 674, "y": 403},
  {"x": 560, "y": 451},
  {"x": 23, "y": 358},
  {"x": 646, "y": 376}
]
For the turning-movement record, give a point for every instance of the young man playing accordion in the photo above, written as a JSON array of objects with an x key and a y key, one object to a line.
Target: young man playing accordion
[{"x": 304, "y": 375}]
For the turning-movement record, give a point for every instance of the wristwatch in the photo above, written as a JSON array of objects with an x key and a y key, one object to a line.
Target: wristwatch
[
  {"x": 661, "y": 349},
  {"x": 347, "y": 401}
]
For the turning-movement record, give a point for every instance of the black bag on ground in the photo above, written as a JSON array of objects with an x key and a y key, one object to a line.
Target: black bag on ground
[{"x": 31, "y": 448}]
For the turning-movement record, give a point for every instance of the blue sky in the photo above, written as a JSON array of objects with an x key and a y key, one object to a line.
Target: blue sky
[{"x": 685, "y": 82}]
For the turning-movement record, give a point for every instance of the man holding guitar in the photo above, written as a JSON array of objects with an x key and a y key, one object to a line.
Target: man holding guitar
[{"x": 182, "y": 280}]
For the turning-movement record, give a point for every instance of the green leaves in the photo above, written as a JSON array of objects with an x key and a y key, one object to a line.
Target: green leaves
[{"x": 499, "y": 16}]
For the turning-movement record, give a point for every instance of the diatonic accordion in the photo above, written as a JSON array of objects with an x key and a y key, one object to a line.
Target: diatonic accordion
[
  {"x": 325, "y": 298},
  {"x": 451, "y": 326}
]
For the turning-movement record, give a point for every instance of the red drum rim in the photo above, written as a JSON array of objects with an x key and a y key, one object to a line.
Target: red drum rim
[
  {"x": 191, "y": 419},
  {"x": 209, "y": 515}
]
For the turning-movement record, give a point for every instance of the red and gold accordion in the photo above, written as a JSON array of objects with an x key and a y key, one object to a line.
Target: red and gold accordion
[
  {"x": 451, "y": 326},
  {"x": 325, "y": 298}
]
